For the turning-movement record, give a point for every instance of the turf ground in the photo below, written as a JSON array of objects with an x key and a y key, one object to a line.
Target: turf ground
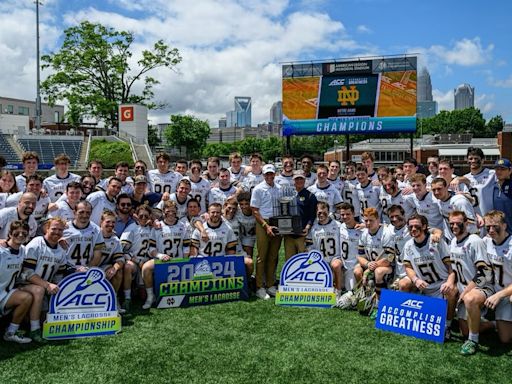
[{"x": 251, "y": 342}]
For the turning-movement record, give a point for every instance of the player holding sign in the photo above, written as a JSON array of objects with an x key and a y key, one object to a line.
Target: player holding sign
[
  {"x": 221, "y": 238},
  {"x": 471, "y": 263},
  {"x": 427, "y": 264},
  {"x": 324, "y": 236},
  {"x": 499, "y": 249}
]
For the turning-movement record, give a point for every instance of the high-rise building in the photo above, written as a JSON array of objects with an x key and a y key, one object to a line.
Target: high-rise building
[
  {"x": 426, "y": 109},
  {"x": 276, "y": 113},
  {"x": 464, "y": 96},
  {"x": 223, "y": 122},
  {"x": 243, "y": 109},
  {"x": 424, "y": 86}
]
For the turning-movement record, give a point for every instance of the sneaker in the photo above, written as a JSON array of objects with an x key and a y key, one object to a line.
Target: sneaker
[
  {"x": 149, "y": 302},
  {"x": 261, "y": 293},
  {"x": 468, "y": 348},
  {"x": 272, "y": 291},
  {"x": 36, "y": 337},
  {"x": 16, "y": 337},
  {"x": 447, "y": 334}
]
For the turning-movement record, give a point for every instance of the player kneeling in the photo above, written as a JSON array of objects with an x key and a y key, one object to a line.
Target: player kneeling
[
  {"x": 427, "y": 264},
  {"x": 499, "y": 249},
  {"x": 11, "y": 264},
  {"x": 45, "y": 258},
  {"x": 324, "y": 235}
]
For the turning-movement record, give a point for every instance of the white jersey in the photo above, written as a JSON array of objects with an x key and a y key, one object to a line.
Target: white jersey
[
  {"x": 164, "y": 182},
  {"x": 481, "y": 190},
  {"x": 221, "y": 239},
  {"x": 386, "y": 201},
  {"x": 349, "y": 245},
  {"x": 500, "y": 256},
  {"x": 199, "y": 191},
  {"x": 219, "y": 195},
  {"x": 235, "y": 226},
  {"x": 189, "y": 224},
  {"x": 239, "y": 176},
  {"x": 63, "y": 210},
  {"x": 283, "y": 180},
  {"x": 100, "y": 202},
  {"x": 429, "y": 261},
  {"x": 310, "y": 180},
  {"x": 247, "y": 228},
  {"x": 11, "y": 264},
  {"x": 112, "y": 252},
  {"x": 427, "y": 206},
  {"x": 377, "y": 246},
  {"x": 350, "y": 195},
  {"x": 43, "y": 260},
  {"x": 21, "y": 182},
  {"x": 8, "y": 215},
  {"x": 127, "y": 186},
  {"x": 137, "y": 242},
  {"x": 42, "y": 204},
  {"x": 181, "y": 207},
  {"x": 326, "y": 239},
  {"x": 82, "y": 242},
  {"x": 173, "y": 240},
  {"x": 369, "y": 197},
  {"x": 465, "y": 256},
  {"x": 55, "y": 186},
  {"x": 328, "y": 194},
  {"x": 400, "y": 237},
  {"x": 457, "y": 202},
  {"x": 251, "y": 180}
]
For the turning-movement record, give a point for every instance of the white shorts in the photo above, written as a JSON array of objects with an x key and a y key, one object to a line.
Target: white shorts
[
  {"x": 3, "y": 302},
  {"x": 461, "y": 308},
  {"x": 248, "y": 241},
  {"x": 504, "y": 310},
  {"x": 350, "y": 280}
]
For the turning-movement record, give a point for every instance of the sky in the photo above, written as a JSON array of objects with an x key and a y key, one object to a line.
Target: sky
[{"x": 236, "y": 48}]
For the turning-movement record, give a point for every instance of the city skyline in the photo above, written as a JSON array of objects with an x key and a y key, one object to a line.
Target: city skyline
[{"x": 232, "y": 48}]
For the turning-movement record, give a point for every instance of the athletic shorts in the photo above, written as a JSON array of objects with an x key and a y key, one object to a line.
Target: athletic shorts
[
  {"x": 504, "y": 310},
  {"x": 3, "y": 302},
  {"x": 461, "y": 308}
]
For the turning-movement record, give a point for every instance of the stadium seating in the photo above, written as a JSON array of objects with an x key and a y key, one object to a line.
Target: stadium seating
[
  {"x": 7, "y": 151},
  {"x": 49, "y": 148}
]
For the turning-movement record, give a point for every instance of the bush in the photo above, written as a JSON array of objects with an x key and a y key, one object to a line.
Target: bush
[{"x": 110, "y": 152}]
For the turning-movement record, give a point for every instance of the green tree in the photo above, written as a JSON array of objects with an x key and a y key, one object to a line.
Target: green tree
[
  {"x": 250, "y": 145},
  {"x": 188, "y": 131},
  {"x": 218, "y": 149},
  {"x": 272, "y": 147},
  {"x": 494, "y": 125},
  {"x": 92, "y": 71},
  {"x": 111, "y": 152}
]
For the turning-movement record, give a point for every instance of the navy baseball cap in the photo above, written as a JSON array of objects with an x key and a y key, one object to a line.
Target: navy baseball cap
[{"x": 503, "y": 163}]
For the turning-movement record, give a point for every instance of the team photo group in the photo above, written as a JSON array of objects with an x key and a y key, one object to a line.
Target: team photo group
[{"x": 434, "y": 233}]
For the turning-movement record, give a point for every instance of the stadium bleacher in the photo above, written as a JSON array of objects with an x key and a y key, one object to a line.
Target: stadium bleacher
[
  {"x": 7, "y": 151},
  {"x": 49, "y": 148}
]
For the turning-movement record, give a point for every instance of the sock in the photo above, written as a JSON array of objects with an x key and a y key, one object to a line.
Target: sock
[
  {"x": 149, "y": 291},
  {"x": 128, "y": 294},
  {"x": 473, "y": 337},
  {"x": 12, "y": 328},
  {"x": 34, "y": 325}
]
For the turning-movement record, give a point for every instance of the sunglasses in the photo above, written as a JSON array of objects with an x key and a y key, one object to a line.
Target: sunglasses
[
  {"x": 143, "y": 216},
  {"x": 489, "y": 227},
  {"x": 125, "y": 204},
  {"x": 414, "y": 226},
  {"x": 20, "y": 234},
  {"x": 140, "y": 167}
]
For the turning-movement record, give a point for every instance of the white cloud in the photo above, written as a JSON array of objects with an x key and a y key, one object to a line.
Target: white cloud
[
  {"x": 484, "y": 102},
  {"x": 363, "y": 29},
  {"x": 464, "y": 52},
  {"x": 505, "y": 83},
  {"x": 444, "y": 99}
]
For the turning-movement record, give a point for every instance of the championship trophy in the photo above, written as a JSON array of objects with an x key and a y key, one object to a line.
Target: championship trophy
[{"x": 286, "y": 214}]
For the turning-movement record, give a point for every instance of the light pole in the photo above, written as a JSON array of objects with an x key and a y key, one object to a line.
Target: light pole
[{"x": 38, "y": 97}]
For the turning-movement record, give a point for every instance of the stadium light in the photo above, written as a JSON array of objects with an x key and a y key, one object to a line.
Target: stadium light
[{"x": 38, "y": 97}]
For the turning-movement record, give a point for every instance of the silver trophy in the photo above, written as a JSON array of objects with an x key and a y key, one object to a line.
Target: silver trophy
[{"x": 286, "y": 213}]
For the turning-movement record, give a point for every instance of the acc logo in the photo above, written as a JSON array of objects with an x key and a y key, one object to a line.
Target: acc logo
[
  {"x": 337, "y": 82},
  {"x": 203, "y": 270},
  {"x": 307, "y": 269},
  {"x": 84, "y": 291},
  {"x": 415, "y": 304},
  {"x": 126, "y": 113}
]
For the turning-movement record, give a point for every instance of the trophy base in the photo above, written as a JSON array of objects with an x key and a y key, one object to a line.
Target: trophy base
[{"x": 287, "y": 225}]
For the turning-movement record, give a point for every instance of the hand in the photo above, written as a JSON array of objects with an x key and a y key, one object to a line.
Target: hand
[
  {"x": 271, "y": 230},
  {"x": 492, "y": 301},
  {"x": 81, "y": 268},
  {"x": 52, "y": 289},
  {"x": 204, "y": 235},
  {"x": 447, "y": 288},
  {"x": 479, "y": 221},
  {"x": 372, "y": 265},
  {"x": 166, "y": 196},
  {"x": 165, "y": 257},
  {"x": 63, "y": 243},
  {"x": 421, "y": 284},
  {"x": 407, "y": 190},
  {"x": 111, "y": 272}
]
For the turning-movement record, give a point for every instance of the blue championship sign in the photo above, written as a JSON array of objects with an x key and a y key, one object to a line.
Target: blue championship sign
[
  {"x": 200, "y": 281},
  {"x": 412, "y": 315},
  {"x": 85, "y": 306},
  {"x": 306, "y": 281}
]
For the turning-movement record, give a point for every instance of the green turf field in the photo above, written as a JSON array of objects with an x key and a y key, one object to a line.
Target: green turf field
[{"x": 251, "y": 342}]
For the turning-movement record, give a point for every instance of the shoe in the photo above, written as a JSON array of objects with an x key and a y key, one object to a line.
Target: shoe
[
  {"x": 468, "y": 348},
  {"x": 36, "y": 337},
  {"x": 261, "y": 293},
  {"x": 149, "y": 302},
  {"x": 16, "y": 337},
  {"x": 127, "y": 304},
  {"x": 447, "y": 334},
  {"x": 272, "y": 291}
]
